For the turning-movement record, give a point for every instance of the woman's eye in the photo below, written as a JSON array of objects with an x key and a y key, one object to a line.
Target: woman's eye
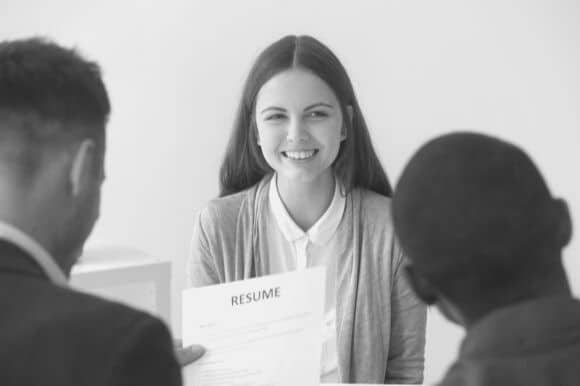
[
  {"x": 275, "y": 117},
  {"x": 318, "y": 114}
]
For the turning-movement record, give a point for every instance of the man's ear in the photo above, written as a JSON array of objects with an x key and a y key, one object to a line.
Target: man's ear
[
  {"x": 349, "y": 115},
  {"x": 82, "y": 166},
  {"x": 564, "y": 224},
  {"x": 420, "y": 285}
]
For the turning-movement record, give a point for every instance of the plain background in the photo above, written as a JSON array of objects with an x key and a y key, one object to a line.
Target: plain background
[{"x": 175, "y": 69}]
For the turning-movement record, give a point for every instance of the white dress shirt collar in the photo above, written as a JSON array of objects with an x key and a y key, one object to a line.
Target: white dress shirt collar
[
  {"x": 36, "y": 251},
  {"x": 324, "y": 228}
]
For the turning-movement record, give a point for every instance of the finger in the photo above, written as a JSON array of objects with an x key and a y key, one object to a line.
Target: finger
[{"x": 189, "y": 354}]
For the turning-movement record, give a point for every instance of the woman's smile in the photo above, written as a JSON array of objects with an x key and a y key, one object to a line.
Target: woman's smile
[{"x": 300, "y": 155}]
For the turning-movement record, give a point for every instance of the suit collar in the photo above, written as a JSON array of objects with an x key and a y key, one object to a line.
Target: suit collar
[
  {"x": 15, "y": 260},
  {"x": 20, "y": 245}
]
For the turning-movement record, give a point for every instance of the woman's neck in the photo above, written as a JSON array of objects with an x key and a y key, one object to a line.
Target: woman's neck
[{"x": 306, "y": 201}]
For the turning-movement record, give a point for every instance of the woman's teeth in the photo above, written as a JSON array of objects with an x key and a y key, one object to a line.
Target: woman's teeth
[{"x": 298, "y": 155}]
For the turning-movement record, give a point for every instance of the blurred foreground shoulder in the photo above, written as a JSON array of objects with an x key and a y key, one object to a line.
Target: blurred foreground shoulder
[
  {"x": 137, "y": 345},
  {"x": 145, "y": 355}
]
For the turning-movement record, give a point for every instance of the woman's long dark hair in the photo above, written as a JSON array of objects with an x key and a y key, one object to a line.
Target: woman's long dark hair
[{"x": 356, "y": 164}]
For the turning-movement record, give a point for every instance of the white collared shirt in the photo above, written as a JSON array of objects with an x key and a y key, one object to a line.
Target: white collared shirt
[
  {"x": 291, "y": 248},
  {"x": 35, "y": 251}
]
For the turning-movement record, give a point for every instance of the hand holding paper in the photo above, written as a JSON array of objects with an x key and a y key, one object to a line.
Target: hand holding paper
[
  {"x": 263, "y": 331},
  {"x": 189, "y": 354}
]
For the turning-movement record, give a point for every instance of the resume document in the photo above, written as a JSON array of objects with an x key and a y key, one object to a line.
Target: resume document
[{"x": 265, "y": 331}]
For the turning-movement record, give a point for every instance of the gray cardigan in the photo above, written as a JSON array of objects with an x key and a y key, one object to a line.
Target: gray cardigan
[{"x": 380, "y": 322}]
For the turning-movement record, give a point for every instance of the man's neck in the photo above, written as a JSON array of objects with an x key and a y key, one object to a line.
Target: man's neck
[{"x": 553, "y": 284}]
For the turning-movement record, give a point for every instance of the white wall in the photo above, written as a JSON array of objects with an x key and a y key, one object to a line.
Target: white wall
[{"x": 420, "y": 68}]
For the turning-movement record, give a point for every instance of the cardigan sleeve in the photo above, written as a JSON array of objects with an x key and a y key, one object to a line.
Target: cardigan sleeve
[
  {"x": 408, "y": 322},
  {"x": 201, "y": 267}
]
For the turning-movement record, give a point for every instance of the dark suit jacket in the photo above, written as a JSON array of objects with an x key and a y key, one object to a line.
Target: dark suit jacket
[
  {"x": 56, "y": 336},
  {"x": 533, "y": 343}
]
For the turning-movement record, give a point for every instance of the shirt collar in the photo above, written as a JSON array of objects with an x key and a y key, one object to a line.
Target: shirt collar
[
  {"x": 35, "y": 250},
  {"x": 324, "y": 228}
]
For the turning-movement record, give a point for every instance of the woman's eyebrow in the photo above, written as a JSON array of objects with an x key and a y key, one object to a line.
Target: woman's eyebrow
[
  {"x": 275, "y": 108},
  {"x": 318, "y": 105}
]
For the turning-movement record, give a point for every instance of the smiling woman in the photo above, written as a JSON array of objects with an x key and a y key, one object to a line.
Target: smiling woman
[
  {"x": 300, "y": 128},
  {"x": 301, "y": 186}
]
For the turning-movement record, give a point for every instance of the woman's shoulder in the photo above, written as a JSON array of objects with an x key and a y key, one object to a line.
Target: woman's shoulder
[
  {"x": 376, "y": 224},
  {"x": 373, "y": 201},
  {"x": 226, "y": 209},
  {"x": 374, "y": 208},
  {"x": 221, "y": 209}
]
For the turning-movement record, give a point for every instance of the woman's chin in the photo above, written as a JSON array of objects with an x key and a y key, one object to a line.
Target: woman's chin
[{"x": 304, "y": 176}]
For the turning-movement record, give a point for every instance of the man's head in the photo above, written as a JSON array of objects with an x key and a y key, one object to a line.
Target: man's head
[
  {"x": 53, "y": 112},
  {"x": 478, "y": 223}
]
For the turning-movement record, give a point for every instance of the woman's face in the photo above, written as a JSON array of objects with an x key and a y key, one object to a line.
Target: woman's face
[{"x": 300, "y": 125}]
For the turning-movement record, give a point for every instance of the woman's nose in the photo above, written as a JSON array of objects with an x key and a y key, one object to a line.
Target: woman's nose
[{"x": 297, "y": 131}]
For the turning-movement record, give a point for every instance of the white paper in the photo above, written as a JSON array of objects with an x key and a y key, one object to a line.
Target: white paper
[
  {"x": 363, "y": 384},
  {"x": 273, "y": 341}
]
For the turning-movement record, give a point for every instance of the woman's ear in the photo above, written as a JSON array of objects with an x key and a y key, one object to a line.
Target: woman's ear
[
  {"x": 81, "y": 168},
  {"x": 349, "y": 115},
  {"x": 255, "y": 132},
  {"x": 349, "y": 111},
  {"x": 420, "y": 286}
]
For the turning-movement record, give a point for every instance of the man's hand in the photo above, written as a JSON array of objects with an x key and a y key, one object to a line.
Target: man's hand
[{"x": 187, "y": 355}]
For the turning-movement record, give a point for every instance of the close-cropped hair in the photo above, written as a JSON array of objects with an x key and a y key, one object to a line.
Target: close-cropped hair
[
  {"x": 475, "y": 216},
  {"x": 50, "y": 93},
  {"x": 356, "y": 164}
]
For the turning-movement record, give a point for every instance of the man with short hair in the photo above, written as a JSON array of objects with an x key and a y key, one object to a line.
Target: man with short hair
[
  {"x": 53, "y": 112},
  {"x": 484, "y": 238}
]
